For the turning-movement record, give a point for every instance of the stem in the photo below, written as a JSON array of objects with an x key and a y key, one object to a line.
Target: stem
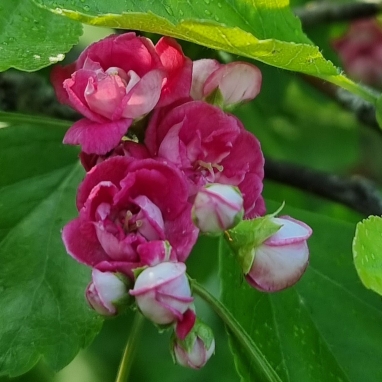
[
  {"x": 129, "y": 353},
  {"x": 355, "y": 192},
  {"x": 246, "y": 342},
  {"x": 364, "y": 92}
]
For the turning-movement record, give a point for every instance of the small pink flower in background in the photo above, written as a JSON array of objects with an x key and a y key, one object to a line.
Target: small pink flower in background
[
  {"x": 107, "y": 292},
  {"x": 209, "y": 146},
  {"x": 117, "y": 80},
  {"x": 281, "y": 260},
  {"x": 196, "y": 349},
  {"x": 163, "y": 293},
  {"x": 236, "y": 81},
  {"x": 360, "y": 50},
  {"x": 128, "y": 208},
  {"x": 217, "y": 207}
]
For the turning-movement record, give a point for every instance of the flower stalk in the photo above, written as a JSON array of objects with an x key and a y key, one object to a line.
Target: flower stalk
[
  {"x": 266, "y": 371},
  {"x": 130, "y": 349}
]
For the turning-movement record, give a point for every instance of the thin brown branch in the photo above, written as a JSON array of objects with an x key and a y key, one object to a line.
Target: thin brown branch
[
  {"x": 356, "y": 192},
  {"x": 325, "y": 12},
  {"x": 363, "y": 110}
]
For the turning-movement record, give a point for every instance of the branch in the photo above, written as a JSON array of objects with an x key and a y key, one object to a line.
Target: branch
[
  {"x": 356, "y": 192},
  {"x": 327, "y": 12},
  {"x": 364, "y": 111}
]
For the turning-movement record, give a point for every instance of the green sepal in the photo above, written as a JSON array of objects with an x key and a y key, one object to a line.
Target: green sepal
[
  {"x": 138, "y": 271},
  {"x": 215, "y": 98},
  {"x": 248, "y": 235},
  {"x": 379, "y": 111},
  {"x": 201, "y": 330},
  {"x": 128, "y": 300}
]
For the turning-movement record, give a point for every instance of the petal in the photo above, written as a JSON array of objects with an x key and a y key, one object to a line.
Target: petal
[
  {"x": 75, "y": 87},
  {"x": 155, "y": 252},
  {"x": 143, "y": 97},
  {"x": 104, "y": 96},
  {"x": 124, "y": 267},
  {"x": 82, "y": 244},
  {"x": 178, "y": 68},
  {"x": 160, "y": 275},
  {"x": 291, "y": 231},
  {"x": 118, "y": 250},
  {"x": 150, "y": 216},
  {"x": 96, "y": 138},
  {"x": 111, "y": 170},
  {"x": 182, "y": 233},
  {"x": 276, "y": 268},
  {"x": 201, "y": 70},
  {"x": 125, "y": 51},
  {"x": 237, "y": 81},
  {"x": 57, "y": 77},
  {"x": 184, "y": 326}
]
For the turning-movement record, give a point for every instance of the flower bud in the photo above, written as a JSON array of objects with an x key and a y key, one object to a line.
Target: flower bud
[
  {"x": 217, "y": 207},
  {"x": 280, "y": 260},
  {"x": 107, "y": 292},
  {"x": 225, "y": 84},
  {"x": 163, "y": 293},
  {"x": 196, "y": 349}
]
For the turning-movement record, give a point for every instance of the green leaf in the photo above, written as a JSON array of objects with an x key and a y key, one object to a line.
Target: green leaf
[
  {"x": 262, "y": 30},
  {"x": 326, "y": 328},
  {"x": 32, "y": 38},
  {"x": 379, "y": 111},
  {"x": 367, "y": 252},
  {"x": 265, "y": 30},
  {"x": 43, "y": 312}
]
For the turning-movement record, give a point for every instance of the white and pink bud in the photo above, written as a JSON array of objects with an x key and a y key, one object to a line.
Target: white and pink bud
[
  {"x": 280, "y": 261},
  {"x": 196, "y": 349},
  {"x": 163, "y": 293},
  {"x": 235, "y": 82},
  {"x": 217, "y": 207},
  {"x": 107, "y": 292}
]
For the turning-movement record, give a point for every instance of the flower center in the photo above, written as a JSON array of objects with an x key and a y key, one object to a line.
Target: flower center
[{"x": 208, "y": 169}]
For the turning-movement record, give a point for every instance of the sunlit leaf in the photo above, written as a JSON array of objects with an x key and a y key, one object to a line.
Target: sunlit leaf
[{"x": 264, "y": 30}]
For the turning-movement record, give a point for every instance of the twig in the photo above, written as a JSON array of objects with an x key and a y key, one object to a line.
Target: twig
[
  {"x": 363, "y": 110},
  {"x": 327, "y": 12},
  {"x": 356, "y": 192}
]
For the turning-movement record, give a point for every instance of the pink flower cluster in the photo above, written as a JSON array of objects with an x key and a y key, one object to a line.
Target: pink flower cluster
[
  {"x": 163, "y": 165},
  {"x": 360, "y": 50}
]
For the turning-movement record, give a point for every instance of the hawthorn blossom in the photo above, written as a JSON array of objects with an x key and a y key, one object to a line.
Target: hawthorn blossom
[
  {"x": 209, "y": 146},
  {"x": 107, "y": 292},
  {"x": 217, "y": 207},
  {"x": 117, "y": 80},
  {"x": 196, "y": 348},
  {"x": 360, "y": 50},
  {"x": 131, "y": 213},
  {"x": 281, "y": 260},
  {"x": 163, "y": 292},
  {"x": 237, "y": 81}
]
